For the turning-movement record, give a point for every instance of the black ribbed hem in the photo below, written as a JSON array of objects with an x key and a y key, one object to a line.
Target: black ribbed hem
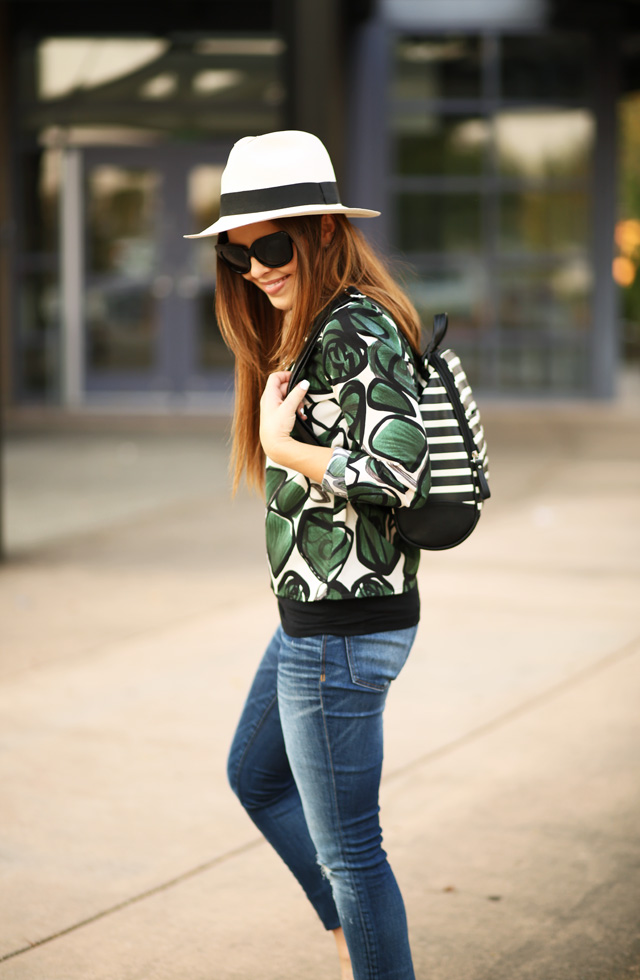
[{"x": 350, "y": 617}]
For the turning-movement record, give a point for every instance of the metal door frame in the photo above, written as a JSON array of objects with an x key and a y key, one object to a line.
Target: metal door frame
[{"x": 173, "y": 163}]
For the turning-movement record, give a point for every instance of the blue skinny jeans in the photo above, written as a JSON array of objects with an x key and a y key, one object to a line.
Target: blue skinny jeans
[{"x": 306, "y": 762}]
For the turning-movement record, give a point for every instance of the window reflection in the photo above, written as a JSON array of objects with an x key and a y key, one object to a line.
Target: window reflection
[
  {"x": 123, "y": 206},
  {"x": 160, "y": 86},
  {"x": 212, "y": 352},
  {"x": 544, "y": 221},
  {"x": 537, "y": 368},
  {"x": 40, "y": 185},
  {"x": 203, "y": 199},
  {"x": 459, "y": 289},
  {"x": 522, "y": 366},
  {"x": 553, "y": 301},
  {"x": 252, "y": 47},
  {"x": 544, "y": 143},
  {"x": 184, "y": 87},
  {"x": 39, "y": 319},
  {"x": 210, "y": 81},
  {"x": 37, "y": 289},
  {"x": 510, "y": 262},
  {"x": 121, "y": 314},
  {"x": 439, "y": 222},
  {"x": 437, "y": 67},
  {"x": 544, "y": 315},
  {"x": 100, "y": 135},
  {"x": 121, "y": 328},
  {"x": 110, "y": 68},
  {"x": 68, "y": 65},
  {"x": 430, "y": 144},
  {"x": 545, "y": 66}
]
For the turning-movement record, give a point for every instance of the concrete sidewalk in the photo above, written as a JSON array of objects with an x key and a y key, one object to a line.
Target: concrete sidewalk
[{"x": 133, "y": 613}]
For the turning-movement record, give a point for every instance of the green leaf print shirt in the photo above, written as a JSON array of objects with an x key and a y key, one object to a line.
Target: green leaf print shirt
[{"x": 339, "y": 540}]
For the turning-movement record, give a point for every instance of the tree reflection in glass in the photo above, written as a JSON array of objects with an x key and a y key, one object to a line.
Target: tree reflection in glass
[{"x": 544, "y": 143}]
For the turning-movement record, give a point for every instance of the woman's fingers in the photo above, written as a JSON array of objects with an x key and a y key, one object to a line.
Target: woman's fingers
[
  {"x": 274, "y": 392},
  {"x": 280, "y": 381},
  {"x": 278, "y": 410},
  {"x": 299, "y": 393},
  {"x": 293, "y": 402}
]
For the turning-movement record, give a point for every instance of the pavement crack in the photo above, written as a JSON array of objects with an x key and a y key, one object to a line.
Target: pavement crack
[
  {"x": 531, "y": 704},
  {"x": 134, "y": 899},
  {"x": 525, "y": 707}
]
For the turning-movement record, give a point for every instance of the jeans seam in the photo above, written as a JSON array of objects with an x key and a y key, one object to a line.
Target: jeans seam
[
  {"x": 354, "y": 884},
  {"x": 252, "y": 738},
  {"x": 368, "y": 685}
]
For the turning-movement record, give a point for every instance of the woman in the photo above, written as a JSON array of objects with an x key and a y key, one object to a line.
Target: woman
[{"x": 307, "y": 755}]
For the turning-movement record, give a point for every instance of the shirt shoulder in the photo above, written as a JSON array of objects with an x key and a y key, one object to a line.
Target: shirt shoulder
[
  {"x": 361, "y": 336},
  {"x": 355, "y": 334}
]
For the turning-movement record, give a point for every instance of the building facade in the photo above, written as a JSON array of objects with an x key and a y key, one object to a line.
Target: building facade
[{"x": 484, "y": 132}]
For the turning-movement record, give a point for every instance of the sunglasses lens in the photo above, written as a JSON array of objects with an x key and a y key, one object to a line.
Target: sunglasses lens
[
  {"x": 274, "y": 250},
  {"x": 271, "y": 250},
  {"x": 235, "y": 257}
]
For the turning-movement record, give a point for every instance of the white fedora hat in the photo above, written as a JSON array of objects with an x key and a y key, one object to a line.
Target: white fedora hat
[{"x": 278, "y": 175}]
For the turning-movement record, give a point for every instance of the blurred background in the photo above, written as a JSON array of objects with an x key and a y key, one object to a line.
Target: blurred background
[{"x": 500, "y": 139}]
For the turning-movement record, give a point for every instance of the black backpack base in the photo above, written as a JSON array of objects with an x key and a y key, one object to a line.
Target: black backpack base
[
  {"x": 437, "y": 525},
  {"x": 457, "y": 452}
]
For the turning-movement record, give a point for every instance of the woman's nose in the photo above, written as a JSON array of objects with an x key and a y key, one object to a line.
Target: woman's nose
[{"x": 257, "y": 269}]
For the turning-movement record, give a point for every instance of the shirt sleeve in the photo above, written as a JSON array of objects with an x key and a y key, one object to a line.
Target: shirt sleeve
[{"x": 369, "y": 367}]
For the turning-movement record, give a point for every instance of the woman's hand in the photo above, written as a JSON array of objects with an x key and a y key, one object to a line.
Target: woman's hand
[{"x": 277, "y": 416}]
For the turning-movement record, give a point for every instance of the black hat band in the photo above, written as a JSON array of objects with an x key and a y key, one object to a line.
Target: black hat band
[{"x": 279, "y": 198}]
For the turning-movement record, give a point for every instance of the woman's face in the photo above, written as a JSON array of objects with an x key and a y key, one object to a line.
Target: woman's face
[{"x": 278, "y": 284}]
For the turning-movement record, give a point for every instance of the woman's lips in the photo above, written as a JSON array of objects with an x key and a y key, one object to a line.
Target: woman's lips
[{"x": 274, "y": 285}]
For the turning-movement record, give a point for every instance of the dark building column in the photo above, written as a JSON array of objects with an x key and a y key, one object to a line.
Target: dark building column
[
  {"x": 6, "y": 230},
  {"x": 5, "y": 242},
  {"x": 369, "y": 164},
  {"x": 315, "y": 71},
  {"x": 605, "y": 343}
]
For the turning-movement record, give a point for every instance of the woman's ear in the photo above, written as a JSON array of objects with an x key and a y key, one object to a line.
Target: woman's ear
[{"x": 327, "y": 229}]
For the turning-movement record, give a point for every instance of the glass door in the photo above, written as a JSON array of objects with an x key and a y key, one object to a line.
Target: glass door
[{"x": 149, "y": 323}]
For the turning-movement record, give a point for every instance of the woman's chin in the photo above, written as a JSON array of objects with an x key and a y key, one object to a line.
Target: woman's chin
[{"x": 282, "y": 300}]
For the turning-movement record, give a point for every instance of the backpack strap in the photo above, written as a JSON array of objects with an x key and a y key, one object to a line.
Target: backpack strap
[
  {"x": 440, "y": 324},
  {"x": 421, "y": 361},
  {"x": 302, "y": 430},
  {"x": 323, "y": 317}
]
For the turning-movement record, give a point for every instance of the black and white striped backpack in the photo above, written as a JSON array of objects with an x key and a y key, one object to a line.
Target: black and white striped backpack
[
  {"x": 457, "y": 450},
  {"x": 455, "y": 437}
]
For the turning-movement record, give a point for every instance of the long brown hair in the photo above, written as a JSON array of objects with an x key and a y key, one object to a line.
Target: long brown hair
[{"x": 263, "y": 341}]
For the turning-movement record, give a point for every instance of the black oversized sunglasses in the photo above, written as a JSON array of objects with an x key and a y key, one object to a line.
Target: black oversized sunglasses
[{"x": 270, "y": 250}]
